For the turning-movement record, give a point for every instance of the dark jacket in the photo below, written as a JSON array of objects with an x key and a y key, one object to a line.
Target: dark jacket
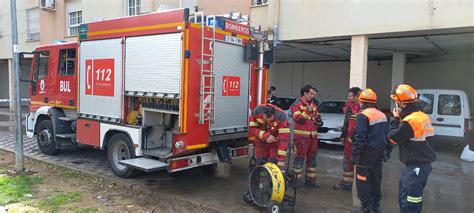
[
  {"x": 412, "y": 150},
  {"x": 370, "y": 131}
]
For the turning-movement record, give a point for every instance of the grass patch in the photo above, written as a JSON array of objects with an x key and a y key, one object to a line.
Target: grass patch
[
  {"x": 70, "y": 173},
  {"x": 14, "y": 189},
  {"x": 52, "y": 203}
]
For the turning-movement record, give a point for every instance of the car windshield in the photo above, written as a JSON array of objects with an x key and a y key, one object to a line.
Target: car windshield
[{"x": 331, "y": 107}]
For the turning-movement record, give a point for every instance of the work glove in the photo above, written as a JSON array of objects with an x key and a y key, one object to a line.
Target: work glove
[
  {"x": 343, "y": 140},
  {"x": 272, "y": 139}
]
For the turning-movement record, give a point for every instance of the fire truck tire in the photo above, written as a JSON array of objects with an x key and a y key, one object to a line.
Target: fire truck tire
[
  {"x": 120, "y": 148},
  {"x": 45, "y": 138}
]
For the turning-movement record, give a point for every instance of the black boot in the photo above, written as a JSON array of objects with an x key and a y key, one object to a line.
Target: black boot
[
  {"x": 343, "y": 186},
  {"x": 376, "y": 209},
  {"x": 312, "y": 184},
  {"x": 364, "y": 210}
]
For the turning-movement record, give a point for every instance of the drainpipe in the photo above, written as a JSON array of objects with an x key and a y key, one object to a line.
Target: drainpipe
[
  {"x": 260, "y": 71},
  {"x": 276, "y": 21}
]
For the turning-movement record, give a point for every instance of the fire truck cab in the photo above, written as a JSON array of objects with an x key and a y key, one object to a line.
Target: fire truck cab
[{"x": 160, "y": 91}]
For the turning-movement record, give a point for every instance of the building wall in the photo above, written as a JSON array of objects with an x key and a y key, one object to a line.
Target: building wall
[
  {"x": 332, "y": 78},
  {"x": 215, "y": 7},
  {"x": 5, "y": 39},
  {"x": 53, "y": 23},
  {"x": 342, "y": 18},
  {"x": 4, "y": 81},
  {"x": 453, "y": 74}
]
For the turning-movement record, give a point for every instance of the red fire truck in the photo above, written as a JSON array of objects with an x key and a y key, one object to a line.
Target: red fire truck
[{"x": 157, "y": 91}]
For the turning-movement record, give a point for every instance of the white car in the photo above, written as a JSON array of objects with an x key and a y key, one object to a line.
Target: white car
[{"x": 333, "y": 120}]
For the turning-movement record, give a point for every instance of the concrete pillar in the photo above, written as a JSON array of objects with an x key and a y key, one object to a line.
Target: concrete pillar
[
  {"x": 358, "y": 72},
  {"x": 398, "y": 68},
  {"x": 11, "y": 87}
]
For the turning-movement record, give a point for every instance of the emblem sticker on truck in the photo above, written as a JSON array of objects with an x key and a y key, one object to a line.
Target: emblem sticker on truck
[
  {"x": 100, "y": 77},
  {"x": 230, "y": 85}
]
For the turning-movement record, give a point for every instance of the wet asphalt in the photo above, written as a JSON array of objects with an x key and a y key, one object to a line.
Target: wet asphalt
[{"x": 450, "y": 186}]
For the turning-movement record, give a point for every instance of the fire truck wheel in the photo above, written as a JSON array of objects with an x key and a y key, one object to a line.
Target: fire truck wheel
[
  {"x": 120, "y": 148},
  {"x": 45, "y": 138}
]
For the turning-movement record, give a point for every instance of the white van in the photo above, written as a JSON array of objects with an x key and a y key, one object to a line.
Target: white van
[{"x": 448, "y": 110}]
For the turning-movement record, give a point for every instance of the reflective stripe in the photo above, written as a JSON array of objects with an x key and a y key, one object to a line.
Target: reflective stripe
[
  {"x": 284, "y": 130},
  {"x": 303, "y": 107},
  {"x": 362, "y": 178},
  {"x": 252, "y": 123},
  {"x": 296, "y": 114},
  {"x": 297, "y": 170},
  {"x": 306, "y": 115},
  {"x": 252, "y": 138},
  {"x": 310, "y": 174},
  {"x": 347, "y": 179},
  {"x": 414, "y": 199},
  {"x": 374, "y": 116},
  {"x": 301, "y": 132},
  {"x": 392, "y": 141},
  {"x": 311, "y": 169},
  {"x": 348, "y": 174},
  {"x": 421, "y": 126},
  {"x": 260, "y": 135},
  {"x": 281, "y": 152},
  {"x": 260, "y": 120}
]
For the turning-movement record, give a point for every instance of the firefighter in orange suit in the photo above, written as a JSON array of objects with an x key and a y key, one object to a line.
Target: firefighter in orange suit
[
  {"x": 306, "y": 120},
  {"x": 370, "y": 140},
  {"x": 270, "y": 132},
  {"x": 412, "y": 130},
  {"x": 351, "y": 109}
]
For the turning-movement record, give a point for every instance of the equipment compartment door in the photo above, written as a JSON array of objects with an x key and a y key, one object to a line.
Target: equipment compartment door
[
  {"x": 232, "y": 87},
  {"x": 153, "y": 64},
  {"x": 100, "y": 78}
]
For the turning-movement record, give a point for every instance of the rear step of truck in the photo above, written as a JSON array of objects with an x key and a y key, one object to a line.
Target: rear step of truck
[
  {"x": 158, "y": 152},
  {"x": 145, "y": 164}
]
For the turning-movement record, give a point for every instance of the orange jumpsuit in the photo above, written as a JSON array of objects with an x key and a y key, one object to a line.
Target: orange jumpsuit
[{"x": 260, "y": 130}]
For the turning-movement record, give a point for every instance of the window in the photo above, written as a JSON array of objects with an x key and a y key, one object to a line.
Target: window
[
  {"x": 259, "y": 2},
  {"x": 67, "y": 61},
  {"x": 74, "y": 20},
  {"x": 32, "y": 24},
  {"x": 449, "y": 105},
  {"x": 427, "y": 103},
  {"x": 42, "y": 64},
  {"x": 133, "y": 7}
]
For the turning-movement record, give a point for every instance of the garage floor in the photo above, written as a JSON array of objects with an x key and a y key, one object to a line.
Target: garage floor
[{"x": 450, "y": 187}]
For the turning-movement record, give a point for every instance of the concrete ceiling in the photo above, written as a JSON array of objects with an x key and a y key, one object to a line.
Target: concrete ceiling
[{"x": 380, "y": 48}]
